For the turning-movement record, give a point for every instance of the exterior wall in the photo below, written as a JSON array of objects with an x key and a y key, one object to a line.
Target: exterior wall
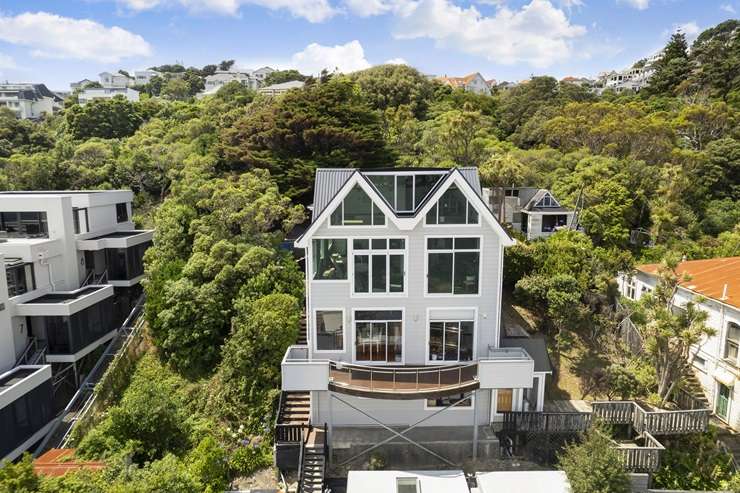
[
  {"x": 710, "y": 349},
  {"x": 338, "y": 294},
  {"x": 534, "y": 224},
  {"x": 8, "y": 350},
  {"x": 107, "y": 93}
]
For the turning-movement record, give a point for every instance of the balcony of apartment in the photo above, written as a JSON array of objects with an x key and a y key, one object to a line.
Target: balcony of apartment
[
  {"x": 502, "y": 368},
  {"x": 26, "y": 411},
  {"x": 120, "y": 255}
]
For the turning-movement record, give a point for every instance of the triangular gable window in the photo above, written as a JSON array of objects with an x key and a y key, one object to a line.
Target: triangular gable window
[
  {"x": 357, "y": 209},
  {"x": 547, "y": 201},
  {"x": 452, "y": 208},
  {"x": 404, "y": 191}
]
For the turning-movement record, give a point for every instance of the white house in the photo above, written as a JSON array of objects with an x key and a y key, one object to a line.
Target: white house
[
  {"x": 73, "y": 263},
  {"x": 403, "y": 284},
  {"x": 142, "y": 77},
  {"x": 29, "y": 101},
  {"x": 282, "y": 88},
  {"x": 533, "y": 211},
  {"x": 472, "y": 82},
  {"x": 716, "y": 359},
  {"x": 118, "y": 79},
  {"x": 88, "y": 95},
  {"x": 80, "y": 84}
]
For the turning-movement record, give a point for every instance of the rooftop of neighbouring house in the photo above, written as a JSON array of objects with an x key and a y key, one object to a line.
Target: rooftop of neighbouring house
[
  {"x": 58, "y": 462},
  {"x": 715, "y": 278},
  {"x": 422, "y": 182}
]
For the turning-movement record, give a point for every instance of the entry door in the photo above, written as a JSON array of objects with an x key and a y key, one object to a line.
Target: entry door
[
  {"x": 504, "y": 400},
  {"x": 723, "y": 401}
]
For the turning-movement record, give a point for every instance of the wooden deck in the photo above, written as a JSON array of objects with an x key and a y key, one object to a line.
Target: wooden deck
[
  {"x": 657, "y": 422},
  {"x": 403, "y": 382}
]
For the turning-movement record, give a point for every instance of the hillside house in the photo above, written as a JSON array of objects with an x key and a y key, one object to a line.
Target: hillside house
[{"x": 533, "y": 211}]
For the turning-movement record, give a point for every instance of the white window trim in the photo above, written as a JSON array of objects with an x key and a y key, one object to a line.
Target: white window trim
[
  {"x": 373, "y": 206},
  {"x": 309, "y": 259},
  {"x": 427, "y": 294},
  {"x": 467, "y": 211},
  {"x": 427, "y": 407},
  {"x": 387, "y": 294},
  {"x": 314, "y": 330},
  {"x": 429, "y": 320},
  {"x": 403, "y": 336},
  {"x": 396, "y": 174}
]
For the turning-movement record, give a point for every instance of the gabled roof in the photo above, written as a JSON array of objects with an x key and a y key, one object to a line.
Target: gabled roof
[
  {"x": 332, "y": 185},
  {"x": 715, "y": 278}
]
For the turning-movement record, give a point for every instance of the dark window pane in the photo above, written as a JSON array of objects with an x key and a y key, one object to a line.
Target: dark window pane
[
  {"x": 424, "y": 184},
  {"x": 362, "y": 341},
  {"x": 380, "y": 278},
  {"x": 329, "y": 331},
  {"x": 378, "y": 216},
  {"x": 467, "y": 243},
  {"x": 466, "y": 341},
  {"x": 436, "y": 330},
  {"x": 396, "y": 273},
  {"x": 384, "y": 184},
  {"x": 397, "y": 244},
  {"x": 452, "y": 207},
  {"x": 440, "y": 273},
  {"x": 432, "y": 215},
  {"x": 472, "y": 215},
  {"x": 378, "y": 315},
  {"x": 449, "y": 400},
  {"x": 466, "y": 272},
  {"x": 452, "y": 335},
  {"x": 362, "y": 274},
  {"x": 336, "y": 216},
  {"x": 378, "y": 340},
  {"x": 330, "y": 258},
  {"x": 121, "y": 212},
  {"x": 360, "y": 244},
  {"x": 380, "y": 244},
  {"x": 439, "y": 243},
  {"x": 357, "y": 208},
  {"x": 395, "y": 342},
  {"x": 404, "y": 193}
]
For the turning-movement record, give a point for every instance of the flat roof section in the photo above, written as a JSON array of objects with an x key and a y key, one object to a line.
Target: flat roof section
[
  {"x": 120, "y": 234},
  {"x": 15, "y": 376},
  {"x": 426, "y": 481},
  {"x": 523, "y": 482},
  {"x": 66, "y": 297}
]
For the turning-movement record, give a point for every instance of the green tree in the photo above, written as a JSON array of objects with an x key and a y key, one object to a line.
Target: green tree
[
  {"x": 176, "y": 89},
  {"x": 280, "y": 76},
  {"x": 391, "y": 86},
  {"x": 672, "y": 68},
  {"x": 105, "y": 118},
  {"x": 458, "y": 138},
  {"x": 716, "y": 54},
  {"x": 19, "y": 477},
  {"x": 594, "y": 466},
  {"x": 226, "y": 64}
]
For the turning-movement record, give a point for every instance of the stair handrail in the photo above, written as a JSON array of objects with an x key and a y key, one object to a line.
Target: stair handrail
[
  {"x": 90, "y": 275},
  {"x": 326, "y": 457},
  {"x": 23, "y": 358},
  {"x": 302, "y": 458}
]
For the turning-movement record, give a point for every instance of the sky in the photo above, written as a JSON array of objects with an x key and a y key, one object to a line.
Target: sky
[{"x": 60, "y": 41}]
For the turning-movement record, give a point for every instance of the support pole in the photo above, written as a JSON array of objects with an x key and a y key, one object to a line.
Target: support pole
[
  {"x": 330, "y": 430},
  {"x": 475, "y": 404}
]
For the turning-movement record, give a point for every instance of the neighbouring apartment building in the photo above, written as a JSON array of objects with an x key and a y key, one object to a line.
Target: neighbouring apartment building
[
  {"x": 533, "y": 211},
  {"x": 252, "y": 79},
  {"x": 282, "y": 88},
  {"x": 29, "y": 101},
  {"x": 471, "y": 82},
  {"x": 87, "y": 95},
  {"x": 716, "y": 359},
  {"x": 403, "y": 306},
  {"x": 73, "y": 263}
]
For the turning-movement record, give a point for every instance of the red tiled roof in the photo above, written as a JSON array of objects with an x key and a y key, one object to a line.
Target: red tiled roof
[
  {"x": 716, "y": 278},
  {"x": 59, "y": 461}
]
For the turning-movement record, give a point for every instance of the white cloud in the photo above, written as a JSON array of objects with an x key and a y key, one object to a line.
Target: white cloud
[
  {"x": 569, "y": 4},
  {"x": 6, "y": 62},
  {"x": 396, "y": 61},
  {"x": 53, "y": 36},
  {"x": 727, "y": 8},
  {"x": 311, "y": 10},
  {"x": 690, "y": 29},
  {"x": 344, "y": 58},
  {"x": 367, "y": 8},
  {"x": 638, "y": 4},
  {"x": 538, "y": 34}
]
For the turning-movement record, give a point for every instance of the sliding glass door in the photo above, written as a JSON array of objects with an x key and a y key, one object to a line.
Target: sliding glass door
[{"x": 379, "y": 336}]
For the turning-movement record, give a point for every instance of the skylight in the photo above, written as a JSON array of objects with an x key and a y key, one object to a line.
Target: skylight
[{"x": 405, "y": 191}]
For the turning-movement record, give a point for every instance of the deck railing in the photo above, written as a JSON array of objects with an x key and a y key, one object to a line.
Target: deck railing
[
  {"x": 533, "y": 422},
  {"x": 655, "y": 422},
  {"x": 402, "y": 379},
  {"x": 284, "y": 432},
  {"x": 641, "y": 459}
]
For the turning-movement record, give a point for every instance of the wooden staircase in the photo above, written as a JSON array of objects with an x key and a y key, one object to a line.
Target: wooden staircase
[
  {"x": 691, "y": 394},
  {"x": 296, "y": 408},
  {"x": 313, "y": 463},
  {"x": 302, "y": 333}
]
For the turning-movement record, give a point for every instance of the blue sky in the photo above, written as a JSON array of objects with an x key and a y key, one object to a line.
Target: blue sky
[{"x": 59, "y": 41}]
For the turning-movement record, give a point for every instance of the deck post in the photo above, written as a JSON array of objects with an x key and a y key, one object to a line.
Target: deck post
[
  {"x": 474, "y": 402},
  {"x": 330, "y": 430}
]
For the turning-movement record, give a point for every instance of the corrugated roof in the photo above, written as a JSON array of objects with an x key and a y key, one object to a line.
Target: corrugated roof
[
  {"x": 715, "y": 278},
  {"x": 535, "y": 346}
]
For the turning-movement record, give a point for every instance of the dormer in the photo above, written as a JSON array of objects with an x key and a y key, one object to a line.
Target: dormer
[{"x": 546, "y": 200}]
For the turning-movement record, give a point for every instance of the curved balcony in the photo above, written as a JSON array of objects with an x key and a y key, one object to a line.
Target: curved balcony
[{"x": 402, "y": 382}]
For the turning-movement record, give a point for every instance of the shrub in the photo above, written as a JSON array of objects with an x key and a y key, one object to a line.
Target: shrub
[{"x": 593, "y": 466}]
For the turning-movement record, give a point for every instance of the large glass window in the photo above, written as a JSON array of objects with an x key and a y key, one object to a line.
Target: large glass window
[
  {"x": 329, "y": 330},
  {"x": 452, "y": 208},
  {"x": 20, "y": 279},
  {"x": 732, "y": 344},
  {"x": 405, "y": 192},
  {"x": 453, "y": 265},
  {"x": 451, "y": 340},
  {"x": 330, "y": 259},
  {"x": 550, "y": 222},
  {"x": 379, "y": 265},
  {"x": 547, "y": 201},
  {"x": 451, "y": 399},
  {"x": 24, "y": 224},
  {"x": 357, "y": 210},
  {"x": 124, "y": 264},
  {"x": 121, "y": 212},
  {"x": 379, "y": 336}
]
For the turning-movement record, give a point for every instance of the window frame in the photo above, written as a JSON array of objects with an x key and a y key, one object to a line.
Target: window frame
[
  {"x": 735, "y": 342},
  {"x": 428, "y": 335},
  {"x": 118, "y": 216},
  {"x": 387, "y": 252},
  {"x": 435, "y": 207},
  {"x": 310, "y": 264},
  {"x": 480, "y": 251},
  {"x": 314, "y": 330},
  {"x": 373, "y": 207},
  {"x": 354, "y": 335},
  {"x": 396, "y": 175},
  {"x": 469, "y": 408}
]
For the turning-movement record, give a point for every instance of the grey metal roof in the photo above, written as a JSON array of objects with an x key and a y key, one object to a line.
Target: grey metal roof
[
  {"x": 471, "y": 176},
  {"x": 535, "y": 346},
  {"x": 328, "y": 182}
]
